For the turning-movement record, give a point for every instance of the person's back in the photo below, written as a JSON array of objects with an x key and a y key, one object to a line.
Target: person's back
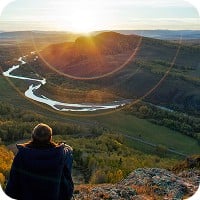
[{"x": 40, "y": 170}]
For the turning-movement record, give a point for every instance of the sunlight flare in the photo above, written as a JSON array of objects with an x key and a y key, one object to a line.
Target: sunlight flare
[{"x": 84, "y": 16}]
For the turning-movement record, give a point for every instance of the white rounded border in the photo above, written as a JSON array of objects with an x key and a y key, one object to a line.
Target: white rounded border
[
  {"x": 3, "y": 196},
  {"x": 4, "y": 3},
  {"x": 196, "y": 196}
]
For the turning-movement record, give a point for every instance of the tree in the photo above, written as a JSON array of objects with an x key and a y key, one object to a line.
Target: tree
[
  {"x": 144, "y": 111},
  {"x": 2, "y": 179},
  {"x": 161, "y": 149},
  {"x": 98, "y": 177},
  {"x": 198, "y": 138},
  {"x": 118, "y": 175},
  {"x": 6, "y": 159}
]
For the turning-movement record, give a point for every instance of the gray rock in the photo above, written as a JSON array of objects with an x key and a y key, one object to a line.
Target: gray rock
[{"x": 156, "y": 182}]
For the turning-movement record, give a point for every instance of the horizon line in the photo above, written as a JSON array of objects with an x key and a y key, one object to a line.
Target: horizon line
[{"x": 74, "y": 32}]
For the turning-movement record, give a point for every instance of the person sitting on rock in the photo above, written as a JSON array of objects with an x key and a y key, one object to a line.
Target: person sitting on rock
[{"x": 41, "y": 169}]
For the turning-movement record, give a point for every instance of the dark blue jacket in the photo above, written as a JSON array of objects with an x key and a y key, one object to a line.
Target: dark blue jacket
[{"x": 36, "y": 174}]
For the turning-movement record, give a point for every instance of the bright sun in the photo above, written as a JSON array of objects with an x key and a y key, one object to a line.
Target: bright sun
[
  {"x": 83, "y": 20},
  {"x": 84, "y": 16}
]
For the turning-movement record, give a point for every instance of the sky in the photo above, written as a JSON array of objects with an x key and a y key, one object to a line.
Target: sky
[{"x": 92, "y": 15}]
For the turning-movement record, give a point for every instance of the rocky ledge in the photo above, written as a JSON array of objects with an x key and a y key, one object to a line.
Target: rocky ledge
[{"x": 144, "y": 184}]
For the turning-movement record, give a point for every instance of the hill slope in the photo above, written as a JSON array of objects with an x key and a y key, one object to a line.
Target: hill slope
[
  {"x": 131, "y": 66},
  {"x": 91, "y": 56}
]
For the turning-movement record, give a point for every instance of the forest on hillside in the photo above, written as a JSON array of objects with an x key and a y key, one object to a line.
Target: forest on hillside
[
  {"x": 100, "y": 154},
  {"x": 105, "y": 150}
]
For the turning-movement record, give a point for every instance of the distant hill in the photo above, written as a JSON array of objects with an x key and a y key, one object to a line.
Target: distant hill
[
  {"x": 18, "y": 35},
  {"x": 38, "y": 38},
  {"x": 157, "y": 34},
  {"x": 140, "y": 67},
  {"x": 28, "y": 34},
  {"x": 91, "y": 56},
  {"x": 164, "y": 34}
]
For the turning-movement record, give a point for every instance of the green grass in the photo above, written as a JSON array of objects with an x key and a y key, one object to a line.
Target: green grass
[
  {"x": 9, "y": 92},
  {"x": 133, "y": 126},
  {"x": 12, "y": 92},
  {"x": 117, "y": 121}
]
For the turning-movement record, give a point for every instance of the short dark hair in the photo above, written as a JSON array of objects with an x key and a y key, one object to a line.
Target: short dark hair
[{"x": 42, "y": 133}]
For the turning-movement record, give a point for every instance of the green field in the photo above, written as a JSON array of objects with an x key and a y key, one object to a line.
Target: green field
[
  {"x": 133, "y": 126},
  {"x": 118, "y": 122}
]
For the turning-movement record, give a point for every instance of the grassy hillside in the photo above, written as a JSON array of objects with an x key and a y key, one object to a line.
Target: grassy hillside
[
  {"x": 159, "y": 71},
  {"x": 99, "y": 156},
  {"x": 129, "y": 82},
  {"x": 106, "y": 143},
  {"x": 120, "y": 122},
  {"x": 141, "y": 128}
]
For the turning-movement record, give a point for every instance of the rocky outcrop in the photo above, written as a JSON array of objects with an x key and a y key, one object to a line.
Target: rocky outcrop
[{"x": 144, "y": 183}]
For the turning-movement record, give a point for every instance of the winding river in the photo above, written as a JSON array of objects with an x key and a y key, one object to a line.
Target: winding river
[{"x": 59, "y": 106}]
